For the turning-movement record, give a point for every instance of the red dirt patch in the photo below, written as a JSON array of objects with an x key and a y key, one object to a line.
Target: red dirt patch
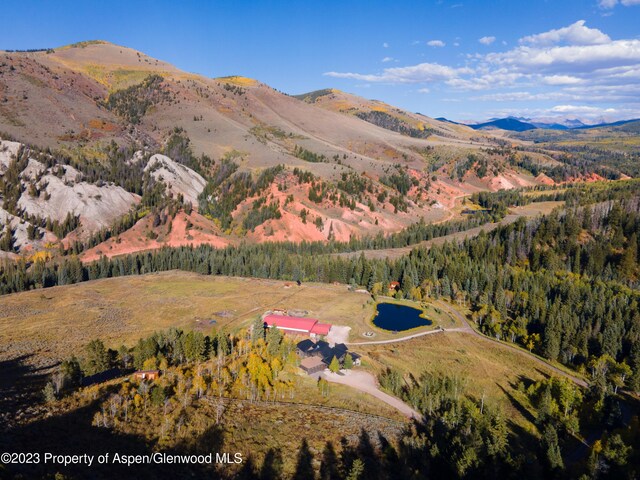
[{"x": 140, "y": 237}]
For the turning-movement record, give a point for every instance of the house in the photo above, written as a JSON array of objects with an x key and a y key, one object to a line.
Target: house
[
  {"x": 394, "y": 286},
  {"x": 312, "y": 365},
  {"x": 297, "y": 325},
  {"x": 305, "y": 348},
  {"x": 146, "y": 375},
  {"x": 325, "y": 352}
]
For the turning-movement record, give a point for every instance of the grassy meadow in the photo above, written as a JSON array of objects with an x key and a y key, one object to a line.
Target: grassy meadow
[
  {"x": 487, "y": 369},
  {"x": 51, "y": 324}
]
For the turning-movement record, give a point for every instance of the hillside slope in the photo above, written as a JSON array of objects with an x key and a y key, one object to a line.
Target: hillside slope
[{"x": 129, "y": 132}]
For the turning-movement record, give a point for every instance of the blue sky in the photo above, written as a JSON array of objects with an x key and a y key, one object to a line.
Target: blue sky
[{"x": 463, "y": 59}]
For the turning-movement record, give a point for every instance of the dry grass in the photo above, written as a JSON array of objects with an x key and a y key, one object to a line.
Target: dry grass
[
  {"x": 240, "y": 81},
  {"x": 251, "y": 428},
  {"x": 52, "y": 323},
  {"x": 488, "y": 369},
  {"x": 55, "y": 322}
]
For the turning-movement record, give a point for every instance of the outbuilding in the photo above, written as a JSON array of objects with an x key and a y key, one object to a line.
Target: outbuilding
[
  {"x": 312, "y": 365},
  {"x": 297, "y": 325},
  {"x": 146, "y": 375}
]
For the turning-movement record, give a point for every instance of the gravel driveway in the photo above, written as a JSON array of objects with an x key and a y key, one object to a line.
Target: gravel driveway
[{"x": 365, "y": 382}]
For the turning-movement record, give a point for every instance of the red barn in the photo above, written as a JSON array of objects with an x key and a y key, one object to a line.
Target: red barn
[{"x": 298, "y": 325}]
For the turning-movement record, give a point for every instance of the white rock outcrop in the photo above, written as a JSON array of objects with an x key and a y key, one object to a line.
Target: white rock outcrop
[
  {"x": 178, "y": 178},
  {"x": 97, "y": 206}
]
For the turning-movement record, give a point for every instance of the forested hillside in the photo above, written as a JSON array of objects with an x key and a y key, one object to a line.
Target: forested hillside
[
  {"x": 565, "y": 286},
  {"x": 115, "y": 164}
]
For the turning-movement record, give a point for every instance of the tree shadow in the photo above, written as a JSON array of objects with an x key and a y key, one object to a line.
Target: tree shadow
[
  {"x": 73, "y": 433},
  {"x": 517, "y": 405},
  {"x": 272, "y": 465},
  {"x": 304, "y": 464},
  {"x": 21, "y": 385},
  {"x": 329, "y": 466}
]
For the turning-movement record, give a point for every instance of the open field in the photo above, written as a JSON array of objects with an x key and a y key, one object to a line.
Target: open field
[
  {"x": 490, "y": 370},
  {"x": 51, "y": 324},
  {"x": 54, "y": 322},
  {"x": 528, "y": 211}
]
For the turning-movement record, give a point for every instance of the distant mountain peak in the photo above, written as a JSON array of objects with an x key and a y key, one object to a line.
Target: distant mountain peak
[{"x": 509, "y": 123}]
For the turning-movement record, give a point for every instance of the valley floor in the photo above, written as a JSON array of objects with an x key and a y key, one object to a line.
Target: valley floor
[{"x": 41, "y": 328}]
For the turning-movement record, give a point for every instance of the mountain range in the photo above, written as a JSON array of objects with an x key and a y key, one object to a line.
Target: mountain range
[
  {"x": 111, "y": 151},
  {"x": 523, "y": 124}
]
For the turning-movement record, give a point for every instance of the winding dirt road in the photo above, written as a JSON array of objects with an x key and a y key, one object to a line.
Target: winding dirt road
[
  {"x": 366, "y": 382},
  {"x": 468, "y": 329},
  {"x": 409, "y": 337}
]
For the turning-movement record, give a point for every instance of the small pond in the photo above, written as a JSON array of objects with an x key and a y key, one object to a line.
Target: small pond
[{"x": 398, "y": 318}]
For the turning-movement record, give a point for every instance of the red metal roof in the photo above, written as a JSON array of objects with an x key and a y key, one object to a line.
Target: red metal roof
[
  {"x": 298, "y": 324},
  {"x": 321, "y": 328},
  {"x": 290, "y": 323}
]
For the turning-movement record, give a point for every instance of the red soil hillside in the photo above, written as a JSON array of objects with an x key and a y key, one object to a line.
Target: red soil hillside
[{"x": 144, "y": 236}]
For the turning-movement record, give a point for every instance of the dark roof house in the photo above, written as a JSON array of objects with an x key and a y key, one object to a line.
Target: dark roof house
[
  {"x": 306, "y": 347},
  {"x": 321, "y": 349}
]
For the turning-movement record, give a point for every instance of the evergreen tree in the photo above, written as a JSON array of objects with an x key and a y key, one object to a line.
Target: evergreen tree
[
  {"x": 334, "y": 366},
  {"x": 97, "y": 358},
  {"x": 258, "y": 330},
  {"x": 348, "y": 362}
]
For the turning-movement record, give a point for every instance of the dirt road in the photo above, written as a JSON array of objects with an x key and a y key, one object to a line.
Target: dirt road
[
  {"x": 467, "y": 329},
  {"x": 528, "y": 211},
  {"x": 409, "y": 337},
  {"x": 366, "y": 382}
]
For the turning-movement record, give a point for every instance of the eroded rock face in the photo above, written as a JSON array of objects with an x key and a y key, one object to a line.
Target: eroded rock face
[
  {"x": 60, "y": 190},
  {"x": 178, "y": 178},
  {"x": 18, "y": 226},
  {"x": 8, "y": 151},
  {"x": 97, "y": 206},
  {"x": 56, "y": 191}
]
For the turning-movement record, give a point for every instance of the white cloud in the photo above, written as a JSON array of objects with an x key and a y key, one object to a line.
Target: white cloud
[
  {"x": 574, "y": 65},
  {"x": 582, "y": 109},
  {"x": 485, "y": 81},
  {"x": 525, "y": 97},
  {"x": 587, "y": 114},
  {"x": 387, "y": 59},
  {"x": 385, "y": 45},
  {"x": 456, "y": 44},
  {"x": 613, "y": 3},
  {"x": 436, "y": 43},
  {"x": 424, "y": 90},
  {"x": 570, "y": 60},
  {"x": 575, "y": 34},
  {"x": 423, "y": 72},
  {"x": 561, "y": 80},
  {"x": 487, "y": 40}
]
